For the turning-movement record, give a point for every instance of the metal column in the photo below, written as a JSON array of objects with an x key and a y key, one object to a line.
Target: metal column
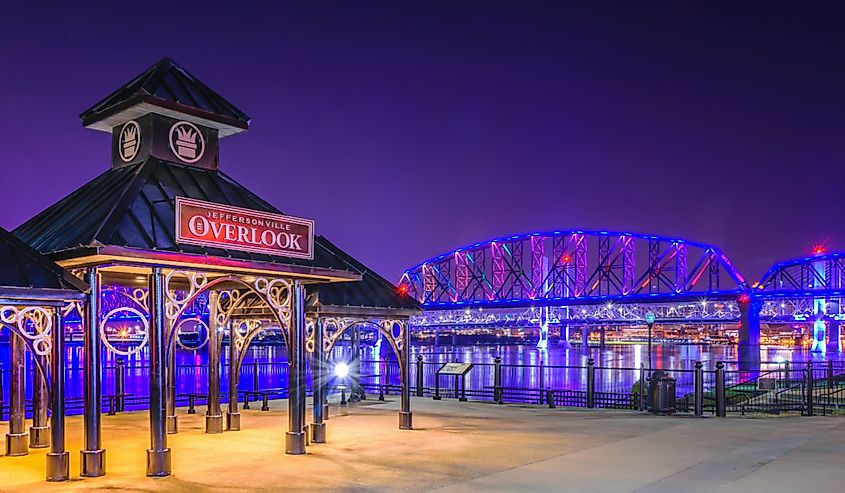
[
  {"x": 158, "y": 455},
  {"x": 17, "y": 440},
  {"x": 213, "y": 413},
  {"x": 318, "y": 372},
  {"x": 405, "y": 416},
  {"x": 58, "y": 459},
  {"x": 172, "y": 419},
  {"x": 92, "y": 456},
  {"x": 39, "y": 432},
  {"x": 295, "y": 436},
  {"x": 233, "y": 417}
]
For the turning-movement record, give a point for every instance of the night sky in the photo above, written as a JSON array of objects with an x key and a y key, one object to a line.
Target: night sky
[{"x": 409, "y": 129}]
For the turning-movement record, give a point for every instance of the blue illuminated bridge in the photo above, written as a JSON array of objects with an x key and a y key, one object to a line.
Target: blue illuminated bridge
[{"x": 606, "y": 278}]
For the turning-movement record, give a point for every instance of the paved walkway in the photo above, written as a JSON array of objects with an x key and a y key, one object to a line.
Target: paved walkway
[{"x": 463, "y": 447}]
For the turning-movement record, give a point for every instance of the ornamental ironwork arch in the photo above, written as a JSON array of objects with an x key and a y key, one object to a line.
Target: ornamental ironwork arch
[
  {"x": 276, "y": 294},
  {"x": 393, "y": 331},
  {"x": 34, "y": 325}
]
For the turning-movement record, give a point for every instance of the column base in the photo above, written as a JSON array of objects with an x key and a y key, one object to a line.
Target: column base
[
  {"x": 39, "y": 436},
  {"x": 405, "y": 421},
  {"x": 93, "y": 463},
  {"x": 158, "y": 463},
  {"x": 294, "y": 442},
  {"x": 214, "y": 424},
  {"x": 58, "y": 466},
  {"x": 233, "y": 421},
  {"x": 172, "y": 424},
  {"x": 318, "y": 432},
  {"x": 17, "y": 444}
]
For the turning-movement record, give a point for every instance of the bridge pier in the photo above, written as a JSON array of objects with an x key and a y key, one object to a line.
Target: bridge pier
[
  {"x": 834, "y": 338},
  {"x": 454, "y": 338},
  {"x": 749, "y": 332},
  {"x": 543, "y": 342},
  {"x": 436, "y": 338},
  {"x": 602, "y": 332},
  {"x": 564, "y": 337}
]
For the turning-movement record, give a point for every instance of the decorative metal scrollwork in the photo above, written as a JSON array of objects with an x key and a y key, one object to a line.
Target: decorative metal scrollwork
[
  {"x": 33, "y": 323},
  {"x": 199, "y": 324},
  {"x": 334, "y": 327},
  {"x": 145, "y": 331}
]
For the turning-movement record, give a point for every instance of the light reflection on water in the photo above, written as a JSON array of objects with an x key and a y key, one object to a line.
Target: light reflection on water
[{"x": 617, "y": 365}]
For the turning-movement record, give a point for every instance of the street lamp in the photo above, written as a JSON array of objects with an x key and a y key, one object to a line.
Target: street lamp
[{"x": 649, "y": 319}]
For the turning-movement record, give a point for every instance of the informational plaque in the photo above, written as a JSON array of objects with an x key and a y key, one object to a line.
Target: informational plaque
[
  {"x": 766, "y": 384},
  {"x": 454, "y": 369},
  {"x": 222, "y": 226}
]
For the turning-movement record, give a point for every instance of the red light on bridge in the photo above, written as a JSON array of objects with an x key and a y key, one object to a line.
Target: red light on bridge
[
  {"x": 403, "y": 289},
  {"x": 566, "y": 259},
  {"x": 744, "y": 298},
  {"x": 819, "y": 249}
]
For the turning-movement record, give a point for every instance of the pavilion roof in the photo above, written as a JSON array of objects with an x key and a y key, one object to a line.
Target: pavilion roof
[
  {"x": 168, "y": 87},
  {"x": 21, "y": 267}
]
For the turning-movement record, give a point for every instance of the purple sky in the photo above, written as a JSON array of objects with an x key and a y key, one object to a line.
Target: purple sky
[{"x": 406, "y": 130}]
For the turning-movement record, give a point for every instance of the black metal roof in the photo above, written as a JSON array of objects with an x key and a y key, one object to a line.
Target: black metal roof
[
  {"x": 371, "y": 291},
  {"x": 23, "y": 267},
  {"x": 168, "y": 85},
  {"x": 134, "y": 207}
]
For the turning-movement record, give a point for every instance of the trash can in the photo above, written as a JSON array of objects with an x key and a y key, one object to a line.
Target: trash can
[{"x": 661, "y": 393}]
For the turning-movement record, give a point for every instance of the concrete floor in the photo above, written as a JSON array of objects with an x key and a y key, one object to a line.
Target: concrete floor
[{"x": 463, "y": 447}]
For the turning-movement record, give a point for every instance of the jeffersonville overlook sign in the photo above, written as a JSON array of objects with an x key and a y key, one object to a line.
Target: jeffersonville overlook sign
[{"x": 222, "y": 226}]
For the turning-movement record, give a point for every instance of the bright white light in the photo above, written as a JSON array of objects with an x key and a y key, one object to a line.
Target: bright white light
[
  {"x": 341, "y": 370},
  {"x": 779, "y": 359}
]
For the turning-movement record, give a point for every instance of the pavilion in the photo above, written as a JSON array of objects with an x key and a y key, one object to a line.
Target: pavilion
[{"x": 171, "y": 235}]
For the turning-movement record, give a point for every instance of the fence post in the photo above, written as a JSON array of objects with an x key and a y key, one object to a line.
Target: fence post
[
  {"x": 436, "y": 396},
  {"x": 255, "y": 383},
  {"x": 386, "y": 376},
  {"x": 420, "y": 375},
  {"x": 591, "y": 383},
  {"x": 699, "y": 388},
  {"x": 550, "y": 398},
  {"x": 120, "y": 385},
  {"x": 542, "y": 382},
  {"x": 497, "y": 381},
  {"x": 830, "y": 374},
  {"x": 2, "y": 402},
  {"x": 641, "y": 403},
  {"x": 721, "y": 403},
  {"x": 810, "y": 385},
  {"x": 786, "y": 375}
]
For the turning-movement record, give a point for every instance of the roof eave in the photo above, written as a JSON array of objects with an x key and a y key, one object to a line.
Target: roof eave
[{"x": 140, "y": 105}]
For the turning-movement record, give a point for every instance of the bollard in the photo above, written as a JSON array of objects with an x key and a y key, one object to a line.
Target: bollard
[
  {"x": 254, "y": 377},
  {"x": 498, "y": 395},
  {"x": 120, "y": 385},
  {"x": 419, "y": 376},
  {"x": 721, "y": 403},
  {"x": 830, "y": 374},
  {"x": 191, "y": 404},
  {"x": 344, "y": 404},
  {"x": 550, "y": 398},
  {"x": 641, "y": 403},
  {"x": 436, "y": 395},
  {"x": 381, "y": 393},
  {"x": 591, "y": 383},
  {"x": 699, "y": 388},
  {"x": 810, "y": 385},
  {"x": 463, "y": 397}
]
